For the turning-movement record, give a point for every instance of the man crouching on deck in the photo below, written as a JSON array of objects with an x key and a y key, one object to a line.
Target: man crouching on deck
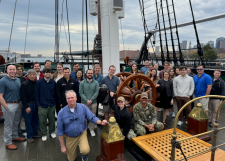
[
  {"x": 71, "y": 122},
  {"x": 145, "y": 117}
]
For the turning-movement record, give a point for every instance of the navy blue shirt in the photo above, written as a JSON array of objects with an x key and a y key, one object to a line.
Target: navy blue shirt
[
  {"x": 73, "y": 124},
  {"x": 10, "y": 89},
  {"x": 45, "y": 93},
  {"x": 73, "y": 74},
  {"x": 112, "y": 84},
  {"x": 201, "y": 84}
]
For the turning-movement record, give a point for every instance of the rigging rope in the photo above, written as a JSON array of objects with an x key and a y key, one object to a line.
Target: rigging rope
[
  {"x": 87, "y": 33},
  {"x": 122, "y": 34},
  {"x": 11, "y": 29},
  {"x": 68, "y": 27},
  {"x": 82, "y": 32},
  {"x": 27, "y": 27}
]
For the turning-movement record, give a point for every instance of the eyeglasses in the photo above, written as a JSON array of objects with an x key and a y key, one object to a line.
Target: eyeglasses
[
  {"x": 18, "y": 69},
  {"x": 89, "y": 73},
  {"x": 199, "y": 69}
]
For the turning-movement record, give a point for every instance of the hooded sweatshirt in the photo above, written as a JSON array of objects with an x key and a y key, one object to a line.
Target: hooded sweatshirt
[{"x": 183, "y": 86}]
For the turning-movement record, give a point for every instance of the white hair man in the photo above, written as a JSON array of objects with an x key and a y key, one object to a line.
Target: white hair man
[{"x": 71, "y": 122}]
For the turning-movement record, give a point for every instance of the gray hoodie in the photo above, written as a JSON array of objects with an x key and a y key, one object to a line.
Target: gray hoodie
[{"x": 183, "y": 86}]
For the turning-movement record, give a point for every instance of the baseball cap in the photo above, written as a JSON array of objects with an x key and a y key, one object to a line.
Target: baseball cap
[
  {"x": 120, "y": 99},
  {"x": 144, "y": 95}
]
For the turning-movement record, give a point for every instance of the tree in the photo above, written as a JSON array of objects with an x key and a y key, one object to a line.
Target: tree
[
  {"x": 194, "y": 55},
  {"x": 210, "y": 54}
]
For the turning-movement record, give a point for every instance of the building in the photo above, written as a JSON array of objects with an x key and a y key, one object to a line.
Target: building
[
  {"x": 129, "y": 53},
  {"x": 211, "y": 43},
  {"x": 184, "y": 45},
  {"x": 189, "y": 45},
  {"x": 157, "y": 49},
  {"x": 222, "y": 44},
  {"x": 218, "y": 42}
]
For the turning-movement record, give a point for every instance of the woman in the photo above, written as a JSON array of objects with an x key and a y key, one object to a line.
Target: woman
[
  {"x": 154, "y": 78},
  {"x": 172, "y": 76},
  {"x": 79, "y": 78},
  {"x": 165, "y": 88},
  {"x": 97, "y": 76},
  {"x": 59, "y": 73},
  {"x": 133, "y": 70},
  {"x": 177, "y": 71}
]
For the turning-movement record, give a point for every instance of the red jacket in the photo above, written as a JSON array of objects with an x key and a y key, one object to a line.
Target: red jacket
[{"x": 40, "y": 76}]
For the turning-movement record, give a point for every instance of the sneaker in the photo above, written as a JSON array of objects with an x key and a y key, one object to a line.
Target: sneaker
[
  {"x": 53, "y": 135},
  {"x": 179, "y": 123},
  {"x": 173, "y": 114},
  {"x": 83, "y": 159},
  {"x": 168, "y": 113},
  {"x": 92, "y": 133},
  {"x": 44, "y": 138}
]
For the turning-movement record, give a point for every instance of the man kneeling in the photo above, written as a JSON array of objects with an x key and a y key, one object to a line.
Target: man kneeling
[
  {"x": 71, "y": 122},
  {"x": 145, "y": 117}
]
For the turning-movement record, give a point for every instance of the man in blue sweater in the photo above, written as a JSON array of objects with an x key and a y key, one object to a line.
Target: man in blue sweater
[{"x": 45, "y": 100}]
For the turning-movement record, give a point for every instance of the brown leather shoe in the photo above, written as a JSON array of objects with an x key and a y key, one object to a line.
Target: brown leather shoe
[
  {"x": 11, "y": 147},
  {"x": 30, "y": 140},
  {"x": 19, "y": 139}
]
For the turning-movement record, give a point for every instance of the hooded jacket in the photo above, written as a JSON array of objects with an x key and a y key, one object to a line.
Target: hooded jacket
[{"x": 218, "y": 88}]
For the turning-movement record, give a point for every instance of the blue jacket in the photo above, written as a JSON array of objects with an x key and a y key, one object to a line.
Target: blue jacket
[
  {"x": 98, "y": 78},
  {"x": 45, "y": 93}
]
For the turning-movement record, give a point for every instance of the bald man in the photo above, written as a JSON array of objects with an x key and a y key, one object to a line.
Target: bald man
[{"x": 11, "y": 107}]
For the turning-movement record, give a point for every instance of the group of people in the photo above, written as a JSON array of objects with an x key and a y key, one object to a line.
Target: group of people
[
  {"x": 176, "y": 86},
  {"x": 73, "y": 97}
]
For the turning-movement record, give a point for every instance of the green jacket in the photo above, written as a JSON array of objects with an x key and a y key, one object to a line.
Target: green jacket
[
  {"x": 127, "y": 69},
  {"x": 88, "y": 91},
  {"x": 145, "y": 115}
]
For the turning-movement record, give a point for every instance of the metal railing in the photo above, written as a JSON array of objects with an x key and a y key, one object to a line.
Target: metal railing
[{"x": 214, "y": 131}]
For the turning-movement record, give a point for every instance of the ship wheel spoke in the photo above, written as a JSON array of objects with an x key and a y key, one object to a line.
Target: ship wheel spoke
[
  {"x": 125, "y": 95},
  {"x": 127, "y": 103},
  {"x": 136, "y": 85},
  {"x": 142, "y": 86},
  {"x": 133, "y": 87},
  {"x": 150, "y": 100},
  {"x": 138, "y": 82},
  {"x": 148, "y": 91},
  {"x": 130, "y": 89}
]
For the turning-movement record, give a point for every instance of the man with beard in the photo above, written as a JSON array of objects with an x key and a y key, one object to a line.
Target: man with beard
[
  {"x": 145, "y": 118},
  {"x": 37, "y": 68},
  {"x": 11, "y": 107},
  {"x": 19, "y": 73},
  {"x": 166, "y": 67},
  {"x": 75, "y": 69},
  {"x": 64, "y": 84},
  {"x": 45, "y": 100},
  {"x": 89, "y": 89}
]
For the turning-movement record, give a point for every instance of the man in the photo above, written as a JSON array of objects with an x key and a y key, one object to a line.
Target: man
[
  {"x": 30, "y": 112},
  {"x": 48, "y": 64},
  {"x": 45, "y": 100},
  {"x": 88, "y": 90},
  {"x": 37, "y": 68},
  {"x": 64, "y": 84},
  {"x": 183, "y": 88},
  {"x": 166, "y": 67},
  {"x": 145, "y": 68},
  {"x": 203, "y": 86},
  {"x": 129, "y": 66},
  {"x": 123, "y": 116},
  {"x": 75, "y": 69},
  {"x": 156, "y": 66},
  {"x": 112, "y": 83},
  {"x": 145, "y": 118},
  {"x": 189, "y": 72},
  {"x": 11, "y": 107},
  {"x": 150, "y": 67},
  {"x": 218, "y": 88},
  {"x": 71, "y": 122},
  {"x": 19, "y": 73}
]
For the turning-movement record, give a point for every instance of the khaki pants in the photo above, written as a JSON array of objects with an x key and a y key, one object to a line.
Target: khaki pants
[
  {"x": 203, "y": 101},
  {"x": 180, "y": 102},
  {"x": 93, "y": 109},
  {"x": 213, "y": 107},
  {"x": 71, "y": 145}
]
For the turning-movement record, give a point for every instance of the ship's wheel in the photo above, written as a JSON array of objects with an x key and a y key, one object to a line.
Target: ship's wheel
[{"x": 132, "y": 95}]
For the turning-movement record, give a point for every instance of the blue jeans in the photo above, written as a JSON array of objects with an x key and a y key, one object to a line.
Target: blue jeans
[{"x": 31, "y": 120}]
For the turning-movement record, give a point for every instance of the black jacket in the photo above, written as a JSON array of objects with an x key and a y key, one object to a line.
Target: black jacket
[
  {"x": 169, "y": 87},
  {"x": 62, "y": 86},
  {"x": 27, "y": 92},
  {"x": 123, "y": 117},
  {"x": 218, "y": 88}
]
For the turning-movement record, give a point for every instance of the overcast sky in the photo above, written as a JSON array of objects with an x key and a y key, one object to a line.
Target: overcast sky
[{"x": 41, "y": 30}]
